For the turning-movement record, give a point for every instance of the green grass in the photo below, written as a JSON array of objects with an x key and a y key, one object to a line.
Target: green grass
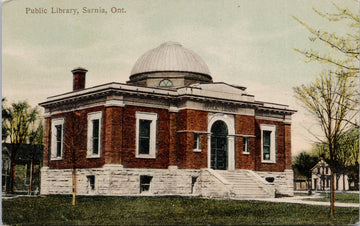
[
  {"x": 57, "y": 210},
  {"x": 339, "y": 197}
]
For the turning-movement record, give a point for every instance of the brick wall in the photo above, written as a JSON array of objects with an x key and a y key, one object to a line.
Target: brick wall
[
  {"x": 191, "y": 120},
  {"x": 119, "y": 140},
  {"x": 283, "y": 152},
  {"x": 287, "y": 146},
  {"x": 75, "y": 141},
  {"x": 47, "y": 141},
  {"x": 113, "y": 135},
  {"x": 129, "y": 139},
  {"x": 245, "y": 125}
]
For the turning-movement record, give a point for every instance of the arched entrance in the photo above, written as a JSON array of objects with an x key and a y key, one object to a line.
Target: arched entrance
[{"x": 219, "y": 145}]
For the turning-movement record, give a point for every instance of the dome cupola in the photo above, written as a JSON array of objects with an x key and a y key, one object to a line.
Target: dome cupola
[{"x": 169, "y": 65}]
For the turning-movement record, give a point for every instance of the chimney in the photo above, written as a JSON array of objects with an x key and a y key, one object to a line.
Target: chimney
[{"x": 79, "y": 78}]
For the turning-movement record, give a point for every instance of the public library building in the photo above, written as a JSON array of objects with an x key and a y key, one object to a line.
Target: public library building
[{"x": 169, "y": 130}]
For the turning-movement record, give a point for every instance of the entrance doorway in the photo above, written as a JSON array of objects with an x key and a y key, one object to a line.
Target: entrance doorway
[{"x": 219, "y": 146}]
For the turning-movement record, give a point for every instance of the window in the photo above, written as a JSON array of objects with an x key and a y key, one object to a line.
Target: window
[
  {"x": 146, "y": 124},
  {"x": 91, "y": 182},
  {"x": 165, "y": 83},
  {"x": 197, "y": 142},
  {"x": 268, "y": 143},
  {"x": 193, "y": 181},
  {"x": 145, "y": 183},
  {"x": 144, "y": 136},
  {"x": 57, "y": 138},
  {"x": 94, "y": 134},
  {"x": 246, "y": 145}
]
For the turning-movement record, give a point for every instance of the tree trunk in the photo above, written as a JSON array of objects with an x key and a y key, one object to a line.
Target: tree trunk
[
  {"x": 31, "y": 176},
  {"x": 13, "y": 176},
  {"x": 74, "y": 187},
  {"x": 332, "y": 198}
]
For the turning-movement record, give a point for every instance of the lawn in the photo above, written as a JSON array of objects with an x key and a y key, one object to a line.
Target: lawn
[
  {"x": 339, "y": 197},
  {"x": 57, "y": 210}
]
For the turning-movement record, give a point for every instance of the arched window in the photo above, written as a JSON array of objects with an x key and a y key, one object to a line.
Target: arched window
[{"x": 165, "y": 83}]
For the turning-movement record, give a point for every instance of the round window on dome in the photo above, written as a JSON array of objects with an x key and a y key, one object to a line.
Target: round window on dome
[{"x": 165, "y": 83}]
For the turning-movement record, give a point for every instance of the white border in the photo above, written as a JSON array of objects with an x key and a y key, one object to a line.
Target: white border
[
  {"x": 54, "y": 123},
  {"x": 229, "y": 120},
  {"x": 153, "y": 133},
  {"x": 93, "y": 116},
  {"x": 271, "y": 128}
]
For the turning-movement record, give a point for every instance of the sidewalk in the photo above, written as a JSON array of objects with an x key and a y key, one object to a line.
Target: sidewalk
[{"x": 305, "y": 200}]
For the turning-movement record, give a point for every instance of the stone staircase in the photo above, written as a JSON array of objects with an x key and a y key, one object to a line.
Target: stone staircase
[{"x": 245, "y": 184}]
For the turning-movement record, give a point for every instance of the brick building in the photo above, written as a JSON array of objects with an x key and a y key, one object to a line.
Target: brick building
[{"x": 170, "y": 130}]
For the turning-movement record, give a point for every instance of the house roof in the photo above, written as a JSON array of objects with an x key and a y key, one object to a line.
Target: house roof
[{"x": 319, "y": 164}]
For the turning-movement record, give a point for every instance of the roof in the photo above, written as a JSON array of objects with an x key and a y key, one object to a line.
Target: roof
[
  {"x": 170, "y": 56},
  {"x": 321, "y": 163}
]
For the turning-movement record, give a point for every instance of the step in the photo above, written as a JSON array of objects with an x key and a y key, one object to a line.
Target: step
[{"x": 243, "y": 185}]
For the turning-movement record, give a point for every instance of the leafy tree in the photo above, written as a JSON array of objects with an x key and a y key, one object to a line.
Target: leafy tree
[
  {"x": 303, "y": 163},
  {"x": 345, "y": 48},
  {"x": 4, "y": 116},
  {"x": 347, "y": 158},
  {"x": 36, "y": 139},
  {"x": 19, "y": 124},
  {"x": 332, "y": 97}
]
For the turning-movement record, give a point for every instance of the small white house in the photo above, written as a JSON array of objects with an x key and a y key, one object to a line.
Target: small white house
[{"x": 321, "y": 178}]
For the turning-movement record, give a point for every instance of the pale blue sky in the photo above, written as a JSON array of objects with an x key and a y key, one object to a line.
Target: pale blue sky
[{"x": 244, "y": 42}]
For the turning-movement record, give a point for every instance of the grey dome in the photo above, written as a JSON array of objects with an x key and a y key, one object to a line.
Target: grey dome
[{"x": 170, "y": 57}]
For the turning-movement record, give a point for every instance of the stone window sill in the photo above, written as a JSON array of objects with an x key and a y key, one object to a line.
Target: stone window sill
[
  {"x": 145, "y": 157},
  {"x": 268, "y": 161},
  {"x": 56, "y": 159},
  {"x": 93, "y": 156}
]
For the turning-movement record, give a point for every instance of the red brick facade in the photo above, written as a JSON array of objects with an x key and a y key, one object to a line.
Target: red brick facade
[
  {"x": 75, "y": 140},
  {"x": 283, "y": 149},
  {"x": 245, "y": 125},
  {"x": 189, "y": 122},
  {"x": 174, "y": 140}
]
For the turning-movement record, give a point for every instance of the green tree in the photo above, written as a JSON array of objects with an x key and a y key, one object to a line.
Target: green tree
[
  {"x": 36, "y": 139},
  {"x": 19, "y": 124},
  {"x": 303, "y": 163},
  {"x": 332, "y": 97},
  {"x": 344, "y": 48},
  {"x": 348, "y": 156},
  {"x": 4, "y": 116}
]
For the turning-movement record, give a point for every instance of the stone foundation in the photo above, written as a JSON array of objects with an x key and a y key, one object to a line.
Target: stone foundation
[
  {"x": 283, "y": 181},
  {"x": 114, "y": 180}
]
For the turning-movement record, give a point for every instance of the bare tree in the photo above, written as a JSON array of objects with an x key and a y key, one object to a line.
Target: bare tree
[{"x": 73, "y": 138}]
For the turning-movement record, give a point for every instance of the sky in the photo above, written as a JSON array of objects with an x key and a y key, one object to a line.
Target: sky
[{"x": 244, "y": 42}]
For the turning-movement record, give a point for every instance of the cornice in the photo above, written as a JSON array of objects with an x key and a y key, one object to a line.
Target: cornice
[{"x": 119, "y": 89}]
